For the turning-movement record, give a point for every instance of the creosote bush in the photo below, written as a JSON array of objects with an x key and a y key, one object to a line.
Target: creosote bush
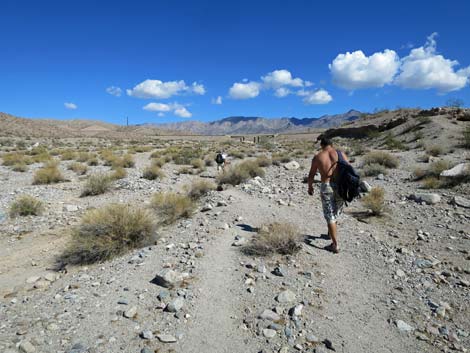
[
  {"x": 153, "y": 172},
  {"x": 78, "y": 168},
  {"x": 274, "y": 238},
  {"x": 108, "y": 232},
  {"x": 49, "y": 174},
  {"x": 200, "y": 188},
  {"x": 26, "y": 205},
  {"x": 197, "y": 163},
  {"x": 119, "y": 173},
  {"x": 97, "y": 184},
  {"x": 263, "y": 161},
  {"x": 434, "y": 150},
  {"x": 240, "y": 173},
  {"x": 171, "y": 206},
  {"x": 373, "y": 169},
  {"x": 431, "y": 183},
  {"x": 20, "y": 167},
  {"x": 383, "y": 158},
  {"x": 375, "y": 201}
]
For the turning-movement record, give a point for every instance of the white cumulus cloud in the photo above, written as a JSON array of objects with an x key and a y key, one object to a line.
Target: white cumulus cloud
[
  {"x": 279, "y": 78},
  {"x": 114, "y": 91},
  {"x": 176, "y": 108},
  {"x": 320, "y": 96},
  {"x": 162, "y": 90},
  {"x": 217, "y": 100},
  {"x": 423, "y": 68},
  {"x": 244, "y": 90},
  {"x": 282, "y": 92},
  {"x": 71, "y": 106},
  {"x": 356, "y": 70}
]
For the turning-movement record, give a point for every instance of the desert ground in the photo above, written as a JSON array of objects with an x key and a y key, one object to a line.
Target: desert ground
[{"x": 142, "y": 245}]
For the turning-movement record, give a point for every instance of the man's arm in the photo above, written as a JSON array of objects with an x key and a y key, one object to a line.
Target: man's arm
[{"x": 311, "y": 175}]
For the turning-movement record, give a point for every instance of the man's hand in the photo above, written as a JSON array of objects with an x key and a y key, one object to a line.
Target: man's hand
[{"x": 310, "y": 190}]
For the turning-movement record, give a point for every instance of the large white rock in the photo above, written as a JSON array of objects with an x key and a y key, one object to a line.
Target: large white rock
[
  {"x": 462, "y": 202},
  {"x": 429, "y": 198},
  {"x": 458, "y": 171},
  {"x": 292, "y": 165},
  {"x": 169, "y": 278}
]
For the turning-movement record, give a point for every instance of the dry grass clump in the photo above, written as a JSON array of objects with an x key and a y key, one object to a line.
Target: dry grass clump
[
  {"x": 20, "y": 167},
  {"x": 200, "y": 188},
  {"x": 373, "y": 169},
  {"x": 171, "y": 206},
  {"x": 67, "y": 155},
  {"x": 26, "y": 205},
  {"x": 240, "y": 173},
  {"x": 97, "y": 184},
  {"x": 78, "y": 168},
  {"x": 108, "y": 232},
  {"x": 119, "y": 173},
  {"x": 153, "y": 172},
  {"x": 236, "y": 154},
  {"x": 49, "y": 174},
  {"x": 375, "y": 201},
  {"x": 197, "y": 163},
  {"x": 158, "y": 162},
  {"x": 185, "y": 170},
  {"x": 382, "y": 158},
  {"x": 274, "y": 238},
  {"x": 431, "y": 182},
  {"x": 263, "y": 161},
  {"x": 126, "y": 161},
  {"x": 434, "y": 150},
  {"x": 10, "y": 159},
  {"x": 208, "y": 162},
  {"x": 434, "y": 170},
  {"x": 281, "y": 158}
]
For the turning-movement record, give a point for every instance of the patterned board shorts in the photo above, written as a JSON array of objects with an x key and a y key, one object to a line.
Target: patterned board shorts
[{"x": 331, "y": 202}]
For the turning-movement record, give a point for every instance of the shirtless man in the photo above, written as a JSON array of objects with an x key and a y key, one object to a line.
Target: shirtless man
[{"x": 325, "y": 162}]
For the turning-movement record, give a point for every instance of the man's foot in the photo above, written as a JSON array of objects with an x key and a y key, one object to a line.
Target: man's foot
[{"x": 332, "y": 248}]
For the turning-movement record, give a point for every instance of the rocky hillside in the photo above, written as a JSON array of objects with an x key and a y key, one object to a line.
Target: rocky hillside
[
  {"x": 258, "y": 125},
  {"x": 12, "y": 126}
]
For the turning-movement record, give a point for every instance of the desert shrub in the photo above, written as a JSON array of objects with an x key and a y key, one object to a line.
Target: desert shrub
[
  {"x": 373, "y": 169},
  {"x": 93, "y": 161},
  {"x": 419, "y": 173},
  {"x": 20, "y": 167},
  {"x": 280, "y": 158},
  {"x": 240, "y": 173},
  {"x": 67, "y": 155},
  {"x": 10, "y": 159},
  {"x": 78, "y": 168},
  {"x": 185, "y": 155},
  {"x": 41, "y": 157},
  {"x": 156, "y": 154},
  {"x": 171, "y": 206},
  {"x": 197, "y": 163},
  {"x": 108, "y": 157},
  {"x": 357, "y": 149},
  {"x": 185, "y": 170},
  {"x": 274, "y": 238},
  {"x": 153, "y": 172},
  {"x": 26, "y": 205},
  {"x": 236, "y": 154},
  {"x": 383, "y": 158},
  {"x": 200, "y": 188},
  {"x": 375, "y": 201},
  {"x": 141, "y": 149},
  {"x": 437, "y": 167},
  {"x": 263, "y": 161},
  {"x": 97, "y": 184},
  {"x": 126, "y": 161},
  {"x": 466, "y": 137},
  {"x": 108, "y": 232},
  {"x": 209, "y": 162},
  {"x": 431, "y": 182},
  {"x": 119, "y": 173},
  {"x": 49, "y": 174},
  {"x": 158, "y": 162},
  {"x": 393, "y": 143},
  {"x": 434, "y": 150}
]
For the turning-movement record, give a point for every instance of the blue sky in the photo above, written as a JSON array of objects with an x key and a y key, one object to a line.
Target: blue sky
[{"x": 164, "y": 61}]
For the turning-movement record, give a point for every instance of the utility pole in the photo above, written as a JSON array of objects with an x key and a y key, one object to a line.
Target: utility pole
[{"x": 127, "y": 121}]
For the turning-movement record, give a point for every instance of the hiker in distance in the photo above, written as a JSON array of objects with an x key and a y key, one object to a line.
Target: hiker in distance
[
  {"x": 326, "y": 162},
  {"x": 221, "y": 160}
]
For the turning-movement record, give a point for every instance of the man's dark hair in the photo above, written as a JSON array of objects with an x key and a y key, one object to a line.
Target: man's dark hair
[{"x": 325, "y": 141}]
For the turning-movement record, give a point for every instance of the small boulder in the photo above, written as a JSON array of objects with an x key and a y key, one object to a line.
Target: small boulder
[
  {"x": 292, "y": 165},
  {"x": 429, "y": 198},
  {"x": 176, "y": 305},
  {"x": 169, "y": 278},
  {"x": 460, "y": 201},
  {"x": 286, "y": 296},
  {"x": 458, "y": 171}
]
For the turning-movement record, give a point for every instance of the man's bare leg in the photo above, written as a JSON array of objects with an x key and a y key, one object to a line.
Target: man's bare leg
[{"x": 332, "y": 232}]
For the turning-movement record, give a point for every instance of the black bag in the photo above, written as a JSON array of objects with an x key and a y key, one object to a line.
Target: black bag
[
  {"x": 347, "y": 180},
  {"x": 219, "y": 159}
]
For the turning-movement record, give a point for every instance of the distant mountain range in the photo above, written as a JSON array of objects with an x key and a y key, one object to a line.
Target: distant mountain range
[{"x": 257, "y": 125}]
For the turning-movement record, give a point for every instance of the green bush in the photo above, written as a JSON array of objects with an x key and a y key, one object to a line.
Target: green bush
[
  {"x": 171, "y": 206},
  {"x": 240, "y": 173},
  {"x": 26, "y": 205},
  {"x": 152, "y": 173},
  {"x": 383, "y": 158},
  {"x": 97, "y": 184},
  {"x": 49, "y": 174},
  {"x": 108, "y": 232},
  {"x": 78, "y": 168},
  {"x": 373, "y": 169}
]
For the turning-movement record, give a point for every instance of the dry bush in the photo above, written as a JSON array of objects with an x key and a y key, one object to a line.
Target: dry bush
[
  {"x": 373, "y": 169},
  {"x": 274, "y": 238},
  {"x": 240, "y": 173},
  {"x": 49, "y": 174},
  {"x": 197, "y": 163},
  {"x": 119, "y": 173},
  {"x": 466, "y": 137},
  {"x": 236, "y": 154},
  {"x": 437, "y": 167},
  {"x": 435, "y": 150},
  {"x": 153, "y": 172},
  {"x": 158, "y": 162},
  {"x": 208, "y": 162},
  {"x": 185, "y": 170},
  {"x": 97, "y": 184},
  {"x": 281, "y": 158},
  {"x": 67, "y": 155},
  {"x": 171, "y": 206},
  {"x": 140, "y": 149},
  {"x": 20, "y": 167},
  {"x": 419, "y": 173},
  {"x": 41, "y": 157},
  {"x": 200, "y": 188},
  {"x": 375, "y": 201},
  {"x": 108, "y": 232},
  {"x": 10, "y": 159},
  {"x": 383, "y": 158},
  {"x": 78, "y": 168},
  {"x": 431, "y": 182},
  {"x": 126, "y": 161},
  {"x": 26, "y": 205},
  {"x": 263, "y": 161},
  {"x": 93, "y": 161}
]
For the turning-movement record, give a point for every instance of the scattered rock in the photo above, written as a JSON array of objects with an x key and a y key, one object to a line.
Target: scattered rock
[
  {"x": 286, "y": 296},
  {"x": 176, "y": 305},
  {"x": 146, "y": 334},
  {"x": 292, "y": 165},
  {"x": 269, "y": 333},
  {"x": 403, "y": 326},
  {"x": 169, "y": 278},
  {"x": 131, "y": 312},
  {"x": 269, "y": 315},
  {"x": 165, "y": 338},
  {"x": 460, "y": 201},
  {"x": 27, "y": 347},
  {"x": 429, "y": 198}
]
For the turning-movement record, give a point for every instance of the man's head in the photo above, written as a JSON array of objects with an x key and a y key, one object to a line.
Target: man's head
[{"x": 325, "y": 142}]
